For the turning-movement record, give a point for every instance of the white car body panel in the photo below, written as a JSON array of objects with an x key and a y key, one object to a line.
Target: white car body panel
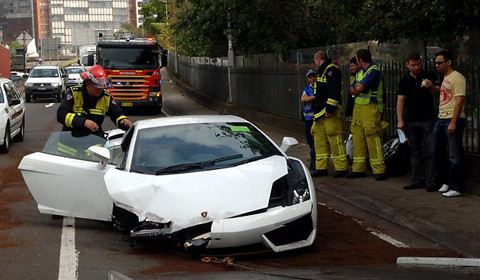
[
  {"x": 10, "y": 114},
  {"x": 78, "y": 186},
  {"x": 154, "y": 197},
  {"x": 235, "y": 200}
]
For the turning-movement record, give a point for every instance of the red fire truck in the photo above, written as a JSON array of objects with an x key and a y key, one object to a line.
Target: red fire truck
[{"x": 133, "y": 65}]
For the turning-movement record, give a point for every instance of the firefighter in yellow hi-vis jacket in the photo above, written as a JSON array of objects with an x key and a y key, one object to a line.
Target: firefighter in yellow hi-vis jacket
[
  {"x": 85, "y": 106},
  {"x": 366, "y": 124},
  {"x": 327, "y": 128}
]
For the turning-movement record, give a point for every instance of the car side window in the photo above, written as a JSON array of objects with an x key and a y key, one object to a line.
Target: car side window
[
  {"x": 19, "y": 95},
  {"x": 10, "y": 92},
  {"x": 2, "y": 90},
  {"x": 13, "y": 90}
]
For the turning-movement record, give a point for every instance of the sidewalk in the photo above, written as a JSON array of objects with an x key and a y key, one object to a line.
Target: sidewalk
[{"x": 450, "y": 222}]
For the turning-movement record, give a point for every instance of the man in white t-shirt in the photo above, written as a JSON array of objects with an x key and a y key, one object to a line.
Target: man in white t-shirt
[{"x": 449, "y": 128}]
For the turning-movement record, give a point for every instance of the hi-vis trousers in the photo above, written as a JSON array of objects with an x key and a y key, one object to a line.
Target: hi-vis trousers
[
  {"x": 328, "y": 139},
  {"x": 367, "y": 138}
]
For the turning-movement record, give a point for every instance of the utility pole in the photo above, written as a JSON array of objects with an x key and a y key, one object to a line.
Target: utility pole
[{"x": 24, "y": 33}]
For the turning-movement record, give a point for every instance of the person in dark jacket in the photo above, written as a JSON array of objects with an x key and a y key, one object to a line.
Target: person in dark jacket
[
  {"x": 85, "y": 106},
  {"x": 327, "y": 128}
]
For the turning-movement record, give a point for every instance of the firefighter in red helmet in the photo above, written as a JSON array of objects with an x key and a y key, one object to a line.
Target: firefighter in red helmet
[{"x": 85, "y": 106}]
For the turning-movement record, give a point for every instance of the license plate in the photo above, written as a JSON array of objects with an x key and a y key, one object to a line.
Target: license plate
[
  {"x": 127, "y": 104},
  {"x": 42, "y": 88}
]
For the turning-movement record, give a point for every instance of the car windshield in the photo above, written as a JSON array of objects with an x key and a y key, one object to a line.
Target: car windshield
[
  {"x": 77, "y": 70},
  {"x": 43, "y": 73},
  {"x": 111, "y": 57},
  {"x": 196, "y": 147}
]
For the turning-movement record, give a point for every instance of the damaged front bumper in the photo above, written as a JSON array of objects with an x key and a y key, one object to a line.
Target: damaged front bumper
[{"x": 280, "y": 229}]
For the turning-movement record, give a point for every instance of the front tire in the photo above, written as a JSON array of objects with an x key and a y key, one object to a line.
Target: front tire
[
  {"x": 28, "y": 98},
  {"x": 6, "y": 141}
]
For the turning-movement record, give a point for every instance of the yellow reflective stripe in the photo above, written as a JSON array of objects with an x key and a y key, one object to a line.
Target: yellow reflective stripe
[
  {"x": 117, "y": 121},
  {"x": 322, "y": 156},
  {"x": 341, "y": 147},
  {"x": 340, "y": 157},
  {"x": 332, "y": 102},
  {"x": 103, "y": 104},
  {"x": 69, "y": 119},
  {"x": 319, "y": 114},
  {"x": 96, "y": 112},
  {"x": 359, "y": 159},
  {"x": 66, "y": 149},
  {"x": 376, "y": 160},
  {"x": 378, "y": 146}
]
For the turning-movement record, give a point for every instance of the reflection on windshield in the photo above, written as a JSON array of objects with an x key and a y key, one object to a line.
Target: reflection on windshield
[
  {"x": 128, "y": 58},
  {"x": 158, "y": 148},
  {"x": 44, "y": 73}
]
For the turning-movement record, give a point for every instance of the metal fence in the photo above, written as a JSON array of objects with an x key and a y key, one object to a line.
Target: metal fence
[{"x": 273, "y": 83}]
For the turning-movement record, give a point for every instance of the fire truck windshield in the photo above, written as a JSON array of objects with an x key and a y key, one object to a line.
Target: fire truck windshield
[{"x": 128, "y": 58}]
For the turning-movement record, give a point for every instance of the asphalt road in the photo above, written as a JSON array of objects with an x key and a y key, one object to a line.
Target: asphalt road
[{"x": 350, "y": 244}]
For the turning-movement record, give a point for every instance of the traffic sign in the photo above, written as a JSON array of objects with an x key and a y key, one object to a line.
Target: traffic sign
[{"x": 24, "y": 38}]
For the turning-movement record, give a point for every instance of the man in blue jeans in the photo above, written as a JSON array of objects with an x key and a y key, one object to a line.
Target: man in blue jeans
[
  {"x": 449, "y": 127},
  {"x": 416, "y": 116}
]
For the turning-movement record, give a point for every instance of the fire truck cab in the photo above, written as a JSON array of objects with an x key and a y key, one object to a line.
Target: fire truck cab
[{"x": 133, "y": 65}]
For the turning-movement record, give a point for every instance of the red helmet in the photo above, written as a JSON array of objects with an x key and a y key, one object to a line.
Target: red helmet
[{"x": 97, "y": 76}]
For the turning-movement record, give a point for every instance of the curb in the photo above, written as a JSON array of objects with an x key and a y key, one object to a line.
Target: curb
[
  {"x": 439, "y": 261},
  {"x": 438, "y": 234}
]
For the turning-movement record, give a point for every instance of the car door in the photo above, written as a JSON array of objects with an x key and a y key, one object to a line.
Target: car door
[{"x": 66, "y": 184}]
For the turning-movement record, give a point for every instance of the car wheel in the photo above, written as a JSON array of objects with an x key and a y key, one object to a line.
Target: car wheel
[
  {"x": 19, "y": 137},
  {"x": 28, "y": 98},
  {"x": 59, "y": 97},
  {"x": 6, "y": 141}
]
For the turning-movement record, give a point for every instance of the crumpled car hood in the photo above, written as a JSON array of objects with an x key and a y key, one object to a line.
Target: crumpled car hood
[{"x": 198, "y": 197}]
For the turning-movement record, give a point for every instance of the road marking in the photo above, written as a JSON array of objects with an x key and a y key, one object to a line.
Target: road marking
[
  {"x": 49, "y": 105},
  {"x": 372, "y": 231},
  {"x": 68, "y": 268}
]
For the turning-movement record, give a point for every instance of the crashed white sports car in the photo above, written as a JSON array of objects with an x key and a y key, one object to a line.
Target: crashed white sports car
[{"x": 202, "y": 181}]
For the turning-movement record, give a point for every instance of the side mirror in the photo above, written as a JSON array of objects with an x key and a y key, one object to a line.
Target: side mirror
[
  {"x": 101, "y": 154},
  {"x": 164, "y": 58},
  {"x": 14, "y": 102},
  {"x": 288, "y": 142}
]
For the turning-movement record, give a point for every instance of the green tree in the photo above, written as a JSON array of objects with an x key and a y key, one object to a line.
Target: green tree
[
  {"x": 14, "y": 46},
  {"x": 200, "y": 27}
]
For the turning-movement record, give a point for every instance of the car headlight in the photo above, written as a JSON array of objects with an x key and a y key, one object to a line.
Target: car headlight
[
  {"x": 56, "y": 84},
  {"x": 28, "y": 84},
  {"x": 290, "y": 189}
]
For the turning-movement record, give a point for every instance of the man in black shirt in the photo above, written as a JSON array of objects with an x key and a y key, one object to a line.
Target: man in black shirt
[{"x": 416, "y": 117}]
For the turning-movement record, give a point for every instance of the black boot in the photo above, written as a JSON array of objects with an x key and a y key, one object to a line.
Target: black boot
[{"x": 312, "y": 164}]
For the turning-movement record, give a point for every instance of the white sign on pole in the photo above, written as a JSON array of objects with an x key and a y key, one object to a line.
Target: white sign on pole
[{"x": 24, "y": 36}]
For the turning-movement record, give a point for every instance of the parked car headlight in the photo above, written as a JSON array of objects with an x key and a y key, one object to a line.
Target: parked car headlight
[
  {"x": 56, "y": 84},
  {"x": 28, "y": 84}
]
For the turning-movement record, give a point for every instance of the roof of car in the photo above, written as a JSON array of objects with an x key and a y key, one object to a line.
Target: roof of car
[
  {"x": 45, "y": 67},
  {"x": 158, "y": 122},
  {"x": 5, "y": 80}
]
